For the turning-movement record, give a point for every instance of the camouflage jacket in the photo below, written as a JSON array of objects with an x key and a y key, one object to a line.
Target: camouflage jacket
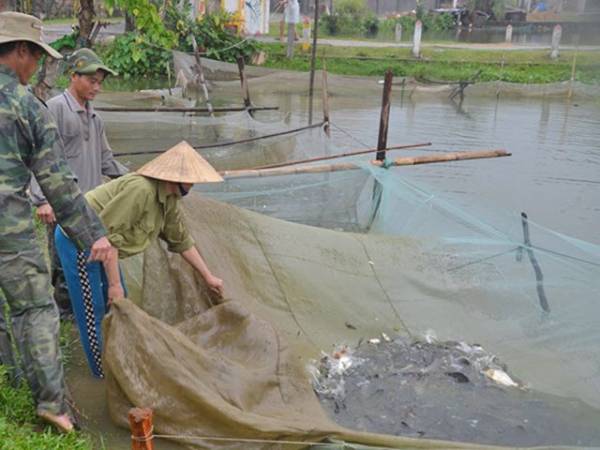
[{"x": 30, "y": 143}]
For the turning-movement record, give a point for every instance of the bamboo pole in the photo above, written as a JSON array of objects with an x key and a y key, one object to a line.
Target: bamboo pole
[
  {"x": 202, "y": 82},
  {"x": 323, "y": 158},
  {"x": 463, "y": 156},
  {"x": 190, "y": 110},
  {"x": 226, "y": 144},
  {"x": 140, "y": 421},
  {"x": 539, "y": 277},
  {"x": 325, "y": 97},
  {"x": 385, "y": 115}
]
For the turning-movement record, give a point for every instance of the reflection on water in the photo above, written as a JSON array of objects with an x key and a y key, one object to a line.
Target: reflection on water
[
  {"x": 530, "y": 34},
  {"x": 553, "y": 174},
  {"x": 540, "y": 35}
]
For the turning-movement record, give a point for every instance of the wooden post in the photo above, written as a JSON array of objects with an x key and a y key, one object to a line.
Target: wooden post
[
  {"x": 573, "y": 73},
  {"x": 508, "y": 36},
  {"x": 385, "y": 115},
  {"x": 343, "y": 155},
  {"x": 556, "y": 35},
  {"x": 313, "y": 63},
  {"x": 140, "y": 421},
  {"x": 244, "y": 81},
  {"x": 462, "y": 85},
  {"x": 325, "y": 97},
  {"x": 539, "y": 277},
  {"x": 416, "y": 52},
  {"x": 398, "y": 32},
  {"x": 201, "y": 81}
]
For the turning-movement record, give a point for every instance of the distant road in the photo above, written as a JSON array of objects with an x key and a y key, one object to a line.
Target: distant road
[{"x": 56, "y": 31}]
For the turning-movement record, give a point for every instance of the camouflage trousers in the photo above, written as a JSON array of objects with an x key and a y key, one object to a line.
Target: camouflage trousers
[
  {"x": 59, "y": 283},
  {"x": 34, "y": 321}
]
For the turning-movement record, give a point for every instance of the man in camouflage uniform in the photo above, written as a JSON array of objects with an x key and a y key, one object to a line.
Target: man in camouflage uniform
[{"x": 29, "y": 143}]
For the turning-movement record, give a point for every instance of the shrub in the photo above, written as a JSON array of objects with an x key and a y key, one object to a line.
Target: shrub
[
  {"x": 371, "y": 24},
  {"x": 132, "y": 55},
  {"x": 356, "y": 8}
]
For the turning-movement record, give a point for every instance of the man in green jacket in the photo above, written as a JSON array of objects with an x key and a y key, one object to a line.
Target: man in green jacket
[
  {"x": 30, "y": 144},
  {"x": 137, "y": 210}
]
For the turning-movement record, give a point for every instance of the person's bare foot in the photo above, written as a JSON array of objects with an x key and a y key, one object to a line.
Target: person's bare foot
[{"x": 60, "y": 421}]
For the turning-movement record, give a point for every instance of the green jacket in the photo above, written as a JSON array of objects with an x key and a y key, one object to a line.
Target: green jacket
[
  {"x": 137, "y": 211},
  {"x": 30, "y": 143}
]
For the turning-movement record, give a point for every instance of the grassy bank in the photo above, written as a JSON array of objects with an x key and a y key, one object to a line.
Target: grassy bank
[
  {"x": 20, "y": 428},
  {"x": 445, "y": 64}
]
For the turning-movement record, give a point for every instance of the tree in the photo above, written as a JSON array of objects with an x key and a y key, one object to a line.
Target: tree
[{"x": 147, "y": 19}]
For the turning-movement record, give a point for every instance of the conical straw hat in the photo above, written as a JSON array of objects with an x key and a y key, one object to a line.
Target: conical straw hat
[{"x": 180, "y": 164}]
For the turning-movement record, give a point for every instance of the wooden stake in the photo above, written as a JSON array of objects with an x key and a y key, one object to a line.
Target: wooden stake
[
  {"x": 201, "y": 80},
  {"x": 253, "y": 173},
  {"x": 140, "y": 421},
  {"x": 244, "y": 81},
  {"x": 385, "y": 115},
  {"x": 325, "y": 97},
  {"x": 539, "y": 277},
  {"x": 570, "y": 94}
]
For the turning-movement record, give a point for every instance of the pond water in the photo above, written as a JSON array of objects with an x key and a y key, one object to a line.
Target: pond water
[
  {"x": 527, "y": 34},
  {"x": 553, "y": 174}
]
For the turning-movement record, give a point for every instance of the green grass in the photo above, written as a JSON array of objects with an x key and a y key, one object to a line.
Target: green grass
[
  {"x": 20, "y": 428},
  {"x": 515, "y": 66}
]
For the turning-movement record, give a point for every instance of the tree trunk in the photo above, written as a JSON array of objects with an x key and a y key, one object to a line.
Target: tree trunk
[
  {"x": 129, "y": 22},
  {"x": 86, "y": 22}
]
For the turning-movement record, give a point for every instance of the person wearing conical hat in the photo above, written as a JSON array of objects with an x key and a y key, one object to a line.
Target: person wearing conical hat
[
  {"x": 30, "y": 144},
  {"x": 136, "y": 209},
  {"x": 87, "y": 150}
]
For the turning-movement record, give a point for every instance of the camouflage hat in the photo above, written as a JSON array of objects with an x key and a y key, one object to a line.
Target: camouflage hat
[
  {"x": 16, "y": 27},
  {"x": 86, "y": 62}
]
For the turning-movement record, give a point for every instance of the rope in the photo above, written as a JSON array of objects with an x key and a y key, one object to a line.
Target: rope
[
  {"x": 255, "y": 441},
  {"x": 145, "y": 438}
]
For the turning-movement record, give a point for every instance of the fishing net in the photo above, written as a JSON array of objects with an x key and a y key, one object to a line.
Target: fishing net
[
  {"x": 417, "y": 265},
  {"x": 321, "y": 265}
]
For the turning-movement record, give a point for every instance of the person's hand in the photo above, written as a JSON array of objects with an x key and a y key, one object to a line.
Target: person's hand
[
  {"x": 215, "y": 285},
  {"x": 45, "y": 214},
  {"x": 115, "y": 292},
  {"x": 102, "y": 250}
]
